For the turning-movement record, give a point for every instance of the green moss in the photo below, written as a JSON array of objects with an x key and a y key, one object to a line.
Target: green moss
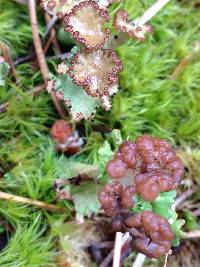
[
  {"x": 148, "y": 101},
  {"x": 29, "y": 247}
]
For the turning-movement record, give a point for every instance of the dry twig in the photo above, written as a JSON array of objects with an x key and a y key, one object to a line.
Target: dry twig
[
  {"x": 117, "y": 249},
  {"x": 40, "y": 53},
  {"x": 185, "y": 61},
  {"x": 183, "y": 197},
  {"x": 50, "y": 24},
  {"x": 139, "y": 261},
  {"x": 6, "y": 54},
  {"x": 24, "y": 200},
  {"x": 126, "y": 238},
  {"x": 192, "y": 234},
  {"x": 196, "y": 212}
]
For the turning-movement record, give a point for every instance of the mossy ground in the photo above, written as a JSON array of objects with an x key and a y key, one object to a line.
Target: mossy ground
[{"x": 148, "y": 101}]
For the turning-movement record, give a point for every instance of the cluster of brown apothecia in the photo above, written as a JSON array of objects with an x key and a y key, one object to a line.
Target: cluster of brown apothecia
[
  {"x": 94, "y": 67},
  {"x": 145, "y": 167}
]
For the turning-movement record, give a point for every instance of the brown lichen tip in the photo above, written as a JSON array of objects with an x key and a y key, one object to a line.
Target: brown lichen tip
[
  {"x": 85, "y": 22},
  {"x": 153, "y": 162},
  {"x": 122, "y": 23},
  {"x": 152, "y": 234},
  {"x": 59, "y": 7},
  {"x": 97, "y": 72}
]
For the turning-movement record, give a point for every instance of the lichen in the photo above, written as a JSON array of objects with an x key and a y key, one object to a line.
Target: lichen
[
  {"x": 123, "y": 24},
  {"x": 85, "y": 22},
  {"x": 97, "y": 72}
]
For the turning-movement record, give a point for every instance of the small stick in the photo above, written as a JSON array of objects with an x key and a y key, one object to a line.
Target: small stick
[
  {"x": 196, "y": 212},
  {"x": 38, "y": 89},
  {"x": 49, "y": 42},
  {"x": 185, "y": 61},
  {"x": 24, "y": 200},
  {"x": 40, "y": 54},
  {"x": 192, "y": 234},
  {"x": 183, "y": 197},
  {"x": 117, "y": 249},
  {"x": 139, "y": 261},
  {"x": 23, "y": 59},
  {"x": 50, "y": 24},
  {"x": 150, "y": 13},
  {"x": 46, "y": 43},
  {"x": 126, "y": 238},
  {"x": 8, "y": 58},
  {"x": 166, "y": 257},
  {"x": 102, "y": 245},
  {"x": 37, "y": 42}
]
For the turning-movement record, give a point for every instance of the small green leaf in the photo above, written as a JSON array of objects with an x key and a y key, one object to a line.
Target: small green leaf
[
  {"x": 58, "y": 225},
  {"x": 85, "y": 197},
  {"x": 116, "y": 136},
  {"x": 141, "y": 205},
  {"x": 105, "y": 154},
  {"x": 178, "y": 233},
  {"x": 69, "y": 169},
  {"x": 191, "y": 221},
  {"x": 162, "y": 205}
]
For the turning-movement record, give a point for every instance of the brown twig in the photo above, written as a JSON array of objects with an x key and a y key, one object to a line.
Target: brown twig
[
  {"x": 49, "y": 42},
  {"x": 24, "y": 200},
  {"x": 192, "y": 234},
  {"x": 38, "y": 89},
  {"x": 46, "y": 42},
  {"x": 183, "y": 197},
  {"x": 50, "y": 24},
  {"x": 24, "y": 59},
  {"x": 6, "y": 54},
  {"x": 102, "y": 245},
  {"x": 40, "y": 53},
  {"x": 185, "y": 61},
  {"x": 196, "y": 212}
]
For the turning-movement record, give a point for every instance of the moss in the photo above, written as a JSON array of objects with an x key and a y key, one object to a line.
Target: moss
[{"x": 148, "y": 101}]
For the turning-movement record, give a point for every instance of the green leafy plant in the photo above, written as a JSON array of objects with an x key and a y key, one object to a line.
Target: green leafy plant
[{"x": 146, "y": 88}]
